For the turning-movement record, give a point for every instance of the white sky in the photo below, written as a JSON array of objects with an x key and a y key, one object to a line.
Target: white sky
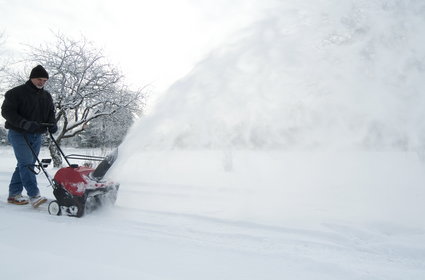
[{"x": 152, "y": 42}]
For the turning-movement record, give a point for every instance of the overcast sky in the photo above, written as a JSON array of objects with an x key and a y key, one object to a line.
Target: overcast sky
[{"x": 152, "y": 42}]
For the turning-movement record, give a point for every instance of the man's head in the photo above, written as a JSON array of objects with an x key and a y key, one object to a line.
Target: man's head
[{"x": 39, "y": 76}]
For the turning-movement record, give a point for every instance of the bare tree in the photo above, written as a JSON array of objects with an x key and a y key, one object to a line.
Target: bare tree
[
  {"x": 2, "y": 58},
  {"x": 84, "y": 86}
]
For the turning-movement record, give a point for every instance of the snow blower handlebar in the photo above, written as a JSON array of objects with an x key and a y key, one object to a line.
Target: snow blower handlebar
[
  {"x": 56, "y": 143},
  {"x": 102, "y": 168},
  {"x": 72, "y": 156},
  {"x": 41, "y": 163}
]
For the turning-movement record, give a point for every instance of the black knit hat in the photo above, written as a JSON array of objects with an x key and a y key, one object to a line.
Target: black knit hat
[{"x": 39, "y": 72}]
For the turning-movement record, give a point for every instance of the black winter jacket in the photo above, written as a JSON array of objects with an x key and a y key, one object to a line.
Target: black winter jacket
[{"x": 27, "y": 103}]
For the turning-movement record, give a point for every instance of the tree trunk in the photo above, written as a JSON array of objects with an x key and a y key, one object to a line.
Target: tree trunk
[{"x": 55, "y": 154}]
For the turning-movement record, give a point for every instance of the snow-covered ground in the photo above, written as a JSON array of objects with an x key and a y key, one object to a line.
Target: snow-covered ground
[
  {"x": 295, "y": 151},
  {"x": 213, "y": 215}
]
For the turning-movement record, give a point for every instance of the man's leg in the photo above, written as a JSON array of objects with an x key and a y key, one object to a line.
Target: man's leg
[
  {"x": 15, "y": 186},
  {"x": 26, "y": 161}
]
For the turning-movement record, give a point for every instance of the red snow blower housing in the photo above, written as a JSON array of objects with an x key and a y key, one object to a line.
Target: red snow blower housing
[{"x": 79, "y": 189}]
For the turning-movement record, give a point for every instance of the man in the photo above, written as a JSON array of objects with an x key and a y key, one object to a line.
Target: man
[{"x": 27, "y": 108}]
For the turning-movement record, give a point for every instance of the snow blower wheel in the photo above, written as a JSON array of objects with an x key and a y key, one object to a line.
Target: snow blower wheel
[{"x": 54, "y": 208}]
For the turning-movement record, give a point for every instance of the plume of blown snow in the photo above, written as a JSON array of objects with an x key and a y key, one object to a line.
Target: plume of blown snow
[{"x": 329, "y": 74}]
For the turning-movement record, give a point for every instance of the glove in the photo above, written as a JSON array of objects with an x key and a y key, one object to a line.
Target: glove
[
  {"x": 53, "y": 129},
  {"x": 31, "y": 126}
]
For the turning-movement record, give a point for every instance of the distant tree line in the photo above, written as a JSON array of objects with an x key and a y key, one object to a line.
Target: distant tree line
[{"x": 94, "y": 106}]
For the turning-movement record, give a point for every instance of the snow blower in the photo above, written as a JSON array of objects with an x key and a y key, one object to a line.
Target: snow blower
[{"x": 79, "y": 189}]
